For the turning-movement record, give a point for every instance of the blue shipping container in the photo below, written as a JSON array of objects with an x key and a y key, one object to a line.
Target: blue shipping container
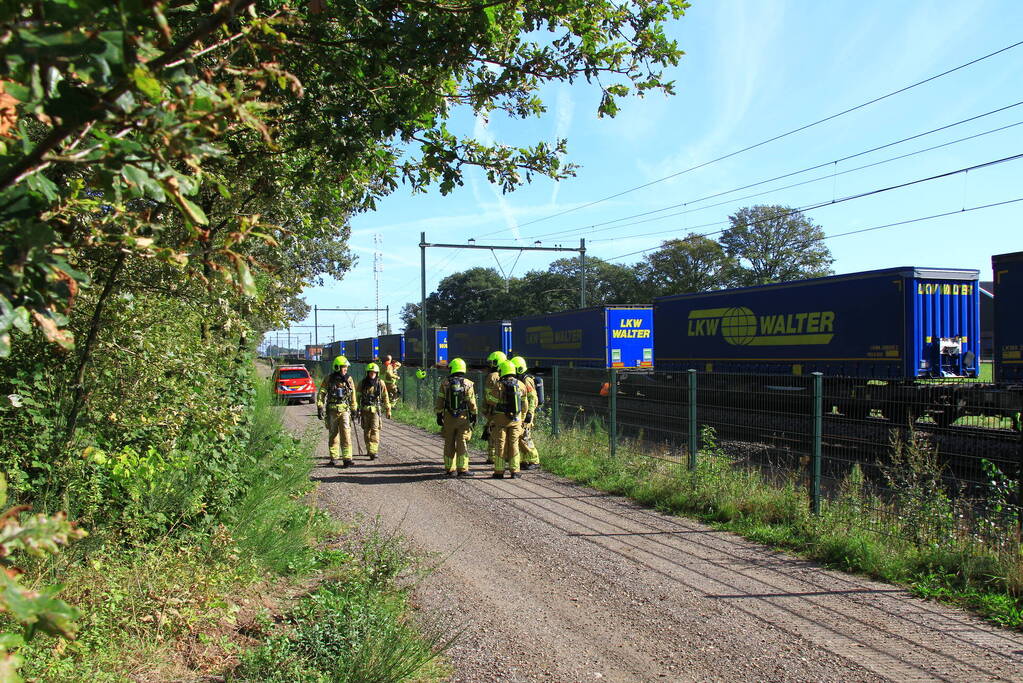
[
  {"x": 366, "y": 350},
  {"x": 1008, "y": 323},
  {"x": 440, "y": 338},
  {"x": 473, "y": 342},
  {"x": 893, "y": 323},
  {"x": 600, "y": 337},
  {"x": 414, "y": 346},
  {"x": 392, "y": 345}
]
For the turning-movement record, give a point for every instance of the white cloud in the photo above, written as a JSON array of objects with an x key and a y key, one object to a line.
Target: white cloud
[{"x": 563, "y": 122}]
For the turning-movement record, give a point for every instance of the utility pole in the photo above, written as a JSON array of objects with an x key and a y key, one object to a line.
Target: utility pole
[
  {"x": 378, "y": 267},
  {"x": 424, "y": 245}
]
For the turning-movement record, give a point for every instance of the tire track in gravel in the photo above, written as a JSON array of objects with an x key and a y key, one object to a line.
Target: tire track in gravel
[{"x": 550, "y": 581}]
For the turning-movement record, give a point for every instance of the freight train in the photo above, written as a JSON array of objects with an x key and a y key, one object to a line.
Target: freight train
[{"x": 899, "y": 343}]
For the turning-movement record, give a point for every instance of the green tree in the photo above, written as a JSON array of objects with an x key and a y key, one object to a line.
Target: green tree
[
  {"x": 693, "y": 263},
  {"x": 775, "y": 244},
  {"x": 155, "y": 129}
]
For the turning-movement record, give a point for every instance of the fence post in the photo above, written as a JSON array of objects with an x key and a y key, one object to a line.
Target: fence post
[
  {"x": 433, "y": 389},
  {"x": 419, "y": 390},
  {"x": 612, "y": 431},
  {"x": 694, "y": 432},
  {"x": 555, "y": 411},
  {"x": 818, "y": 425}
]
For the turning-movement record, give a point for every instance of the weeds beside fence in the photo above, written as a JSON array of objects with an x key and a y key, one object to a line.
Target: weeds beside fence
[{"x": 910, "y": 496}]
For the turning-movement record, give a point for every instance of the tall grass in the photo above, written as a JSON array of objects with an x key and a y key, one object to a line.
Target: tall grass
[
  {"x": 354, "y": 629},
  {"x": 915, "y": 534}
]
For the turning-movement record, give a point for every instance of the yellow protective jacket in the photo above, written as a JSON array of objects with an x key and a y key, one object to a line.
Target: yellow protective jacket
[
  {"x": 443, "y": 402},
  {"x": 329, "y": 391},
  {"x": 373, "y": 396},
  {"x": 390, "y": 374},
  {"x": 494, "y": 397}
]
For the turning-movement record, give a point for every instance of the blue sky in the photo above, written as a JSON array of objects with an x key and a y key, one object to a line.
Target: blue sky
[{"x": 752, "y": 70}]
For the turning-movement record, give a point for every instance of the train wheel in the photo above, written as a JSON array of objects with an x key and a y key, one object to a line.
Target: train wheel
[
  {"x": 946, "y": 417},
  {"x": 901, "y": 414}
]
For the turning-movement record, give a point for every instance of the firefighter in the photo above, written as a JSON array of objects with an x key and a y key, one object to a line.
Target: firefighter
[
  {"x": 374, "y": 398},
  {"x": 456, "y": 415},
  {"x": 493, "y": 360},
  {"x": 527, "y": 449},
  {"x": 391, "y": 368},
  {"x": 337, "y": 398},
  {"x": 507, "y": 402}
]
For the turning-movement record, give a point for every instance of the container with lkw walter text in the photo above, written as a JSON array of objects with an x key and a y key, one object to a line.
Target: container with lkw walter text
[
  {"x": 894, "y": 323},
  {"x": 619, "y": 337}
]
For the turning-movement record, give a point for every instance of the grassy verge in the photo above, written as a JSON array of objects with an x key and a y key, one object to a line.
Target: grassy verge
[
  {"x": 205, "y": 601},
  {"x": 916, "y": 539}
]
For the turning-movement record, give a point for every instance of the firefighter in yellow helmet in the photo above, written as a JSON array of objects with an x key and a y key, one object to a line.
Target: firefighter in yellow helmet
[
  {"x": 337, "y": 398},
  {"x": 527, "y": 449},
  {"x": 489, "y": 383},
  {"x": 374, "y": 398},
  {"x": 390, "y": 376},
  {"x": 507, "y": 401},
  {"x": 456, "y": 415}
]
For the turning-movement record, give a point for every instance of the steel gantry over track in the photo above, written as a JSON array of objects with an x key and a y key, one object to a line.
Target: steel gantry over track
[
  {"x": 317, "y": 309},
  {"x": 424, "y": 245}
]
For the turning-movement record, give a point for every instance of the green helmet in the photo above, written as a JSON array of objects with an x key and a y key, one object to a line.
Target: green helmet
[
  {"x": 520, "y": 364},
  {"x": 505, "y": 368},
  {"x": 457, "y": 365},
  {"x": 340, "y": 362},
  {"x": 496, "y": 358},
  {"x": 372, "y": 367},
  {"x": 420, "y": 373}
]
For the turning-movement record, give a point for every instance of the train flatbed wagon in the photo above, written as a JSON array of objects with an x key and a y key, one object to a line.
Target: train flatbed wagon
[
  {"x": 895, "y": 323},
  {"x": 619, "y": 337}
]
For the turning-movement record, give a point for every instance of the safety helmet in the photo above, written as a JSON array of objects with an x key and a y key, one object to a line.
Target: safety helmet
[
  {"x": 505, "y": 368},
  {"x": 340, "y": 362},
  {"x": 495, "y": 358},
  {"x": 457, "y": 365},
  {"x": 520, "y": 364},
  {"x": 420, "y": 373},
  {"x": 372, "y": 367}
]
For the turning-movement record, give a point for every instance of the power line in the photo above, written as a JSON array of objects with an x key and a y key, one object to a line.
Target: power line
[
  {"x": 772, "y": 139},
  {"x": 862, "y": 230},
  {"x": 588, "y": 229},
  {"x": 789, "y": 187}
]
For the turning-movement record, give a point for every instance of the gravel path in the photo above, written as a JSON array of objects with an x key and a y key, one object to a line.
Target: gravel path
[{"x": 550, "y": 581}]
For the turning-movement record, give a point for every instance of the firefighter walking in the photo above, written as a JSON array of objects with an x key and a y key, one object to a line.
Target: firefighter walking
[
  {"x": 390, "y": 375},
  {"x": 456, "y": 415},
  {"x": 507, "y": 402},
  {"x": 374, "y": 398},
  {"x": 527, "y": 449},
  {"x": 489, "y": 384},
  {"x": 337, "y": 399}
]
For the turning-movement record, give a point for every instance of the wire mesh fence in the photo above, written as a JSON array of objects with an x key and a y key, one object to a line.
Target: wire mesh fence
[{"x": 931, "y": 460}]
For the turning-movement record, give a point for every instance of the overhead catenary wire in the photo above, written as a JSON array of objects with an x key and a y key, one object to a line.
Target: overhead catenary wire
[
  {"x": 598, "y": 227},
  {"x": 818, "y": 179},
  {"x": 773, "y": 138},
  {"x": 860, "y": 195},
  {"x": 857, "y": 231}
]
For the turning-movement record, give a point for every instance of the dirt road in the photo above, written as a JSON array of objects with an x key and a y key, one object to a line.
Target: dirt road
[{"x": 555, "y": 582}]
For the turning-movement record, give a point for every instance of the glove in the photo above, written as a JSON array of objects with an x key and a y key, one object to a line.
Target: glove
[
  {"x": 529, "y": 418},
  {"x": 440, "y": 419},
  {"x": 486, "y": 434},
  {"x": 319, "y": 412},
  {"x": 472, "y": 419}
]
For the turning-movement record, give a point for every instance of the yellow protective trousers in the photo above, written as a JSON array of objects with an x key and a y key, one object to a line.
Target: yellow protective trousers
[
  {"x": 339, "y": 432},
  {"x": 527, "y": 449},
  {"x": 456, "y": 432},
  {"x": 371, "y": 430},
  {"x": 504, "y": 437}
]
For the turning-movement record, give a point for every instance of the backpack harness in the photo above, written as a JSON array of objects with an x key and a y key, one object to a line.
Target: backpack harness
[
  {"x": 339, "y": 391},
  {"x": 511, "y": 397},
  {"x": 370, "y": 391},
  {"x": 455, "y": 400}
]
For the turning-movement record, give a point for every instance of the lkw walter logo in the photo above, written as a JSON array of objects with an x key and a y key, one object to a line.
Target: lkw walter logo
[{"x": 739, "y": 326}]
